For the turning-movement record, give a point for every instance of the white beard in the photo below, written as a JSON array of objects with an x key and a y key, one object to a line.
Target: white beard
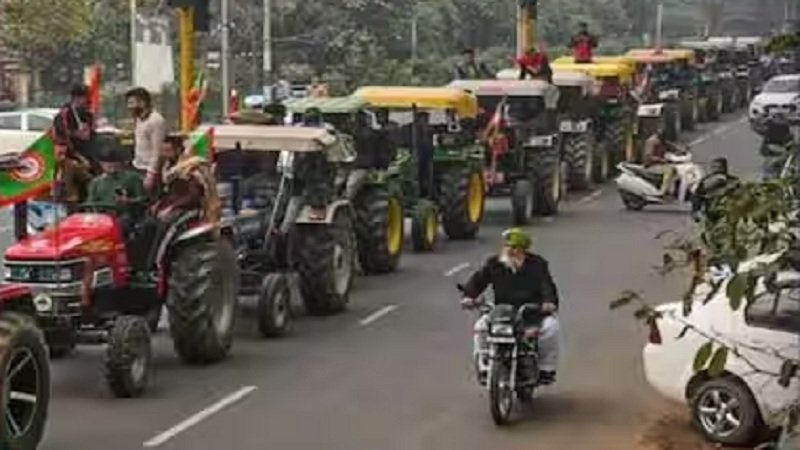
[{"x": 509, "y": 262}]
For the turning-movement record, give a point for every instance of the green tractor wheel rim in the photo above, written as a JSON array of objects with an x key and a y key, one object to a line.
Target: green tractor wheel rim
[
  {"x": 475, "y": 198},
  {"x": 394, "y": 232}
]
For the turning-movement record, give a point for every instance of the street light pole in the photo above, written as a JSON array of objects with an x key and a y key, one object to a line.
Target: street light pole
[
  {"x": 133, "y": 40},
  {"x": 267, "y": 44},
  {"x": 226, "y": 88}
]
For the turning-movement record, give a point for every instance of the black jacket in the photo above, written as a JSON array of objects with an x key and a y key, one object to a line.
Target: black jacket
[{"x": 531, "y": 284}]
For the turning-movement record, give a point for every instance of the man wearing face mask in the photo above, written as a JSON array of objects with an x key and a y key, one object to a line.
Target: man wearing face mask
[
  {"x": 149, "y": 133},
  {"x": 518, "y": 277}
]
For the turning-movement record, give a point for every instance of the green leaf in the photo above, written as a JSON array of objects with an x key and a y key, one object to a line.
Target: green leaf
[
  {"x": 736, "y": 290},
  {"x": 683, "y": 332},
  {"x": 702, "y": 356},
  {"x": 718, "y": 362}
]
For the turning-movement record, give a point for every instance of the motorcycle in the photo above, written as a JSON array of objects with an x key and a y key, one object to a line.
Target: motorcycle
[
  {"x": 639, "y": 187},
  {"x": 512, "y": 354}
]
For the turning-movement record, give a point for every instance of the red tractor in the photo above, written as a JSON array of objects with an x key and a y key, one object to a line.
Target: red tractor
[{"x": 89, "y": 286}]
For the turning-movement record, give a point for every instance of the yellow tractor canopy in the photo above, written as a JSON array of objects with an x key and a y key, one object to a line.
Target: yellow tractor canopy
[
  {"x": 598, "y": 70},
  {"x": 624, "y": 60},
  {"x": 406, "y": 97},
  {"x": 674, "y": 53},
  {"x": 652, "y": 56}
]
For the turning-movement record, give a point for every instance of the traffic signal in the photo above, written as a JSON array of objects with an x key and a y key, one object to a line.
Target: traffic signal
[{"x": 202, "y": 15}]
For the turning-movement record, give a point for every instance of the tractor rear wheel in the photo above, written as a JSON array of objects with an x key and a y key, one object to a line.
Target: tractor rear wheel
[
  {"x": 379, "y": 229},
  {"x": 579, "y": 153},
  {"x": 324, "y": 255},
  {"x": 24, "y": 382},
  {"x": 614, "y": 139},
  {"x": 203, "y": 289},
  {"x": 463, "y": 199},
  {"x": 522, "y": 202}
]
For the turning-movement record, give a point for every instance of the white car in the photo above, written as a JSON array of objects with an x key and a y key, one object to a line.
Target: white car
[
  {"x": 743, "y": 403},
  {"x": 18, "y": 129},
  {"x": 780, "y": 94}
]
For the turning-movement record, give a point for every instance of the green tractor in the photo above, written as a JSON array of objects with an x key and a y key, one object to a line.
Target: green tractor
[
  {"x": 438, "y": 159},
  {"x": 375, "y": 189},
  {"x": 709, "y": 84}
]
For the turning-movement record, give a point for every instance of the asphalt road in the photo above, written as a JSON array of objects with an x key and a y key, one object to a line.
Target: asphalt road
[{"x": 394, "y": 371}]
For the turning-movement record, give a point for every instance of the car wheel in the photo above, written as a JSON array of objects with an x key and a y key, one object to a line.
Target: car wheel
[{"x": 724, "y": 410}]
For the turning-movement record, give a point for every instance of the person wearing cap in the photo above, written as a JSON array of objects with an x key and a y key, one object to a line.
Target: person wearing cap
[
  {"x": 518, "y": 276},
  {"x": 117, "y": 185},
  {"x": 470, "y": 69},
  {"x": 711, "y": 187}
]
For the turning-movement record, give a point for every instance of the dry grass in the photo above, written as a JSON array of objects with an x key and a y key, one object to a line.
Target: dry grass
[{"x": 672, "y": 431}]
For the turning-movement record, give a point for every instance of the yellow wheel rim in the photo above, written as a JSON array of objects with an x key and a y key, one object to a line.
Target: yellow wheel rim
[
  {"x": 431, "y": 227},
  {"x": 475, "y": 198},
  {"x": 394, "y": 227}
]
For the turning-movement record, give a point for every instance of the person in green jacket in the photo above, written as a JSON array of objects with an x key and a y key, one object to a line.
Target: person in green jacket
[{"x": 117, "y": 185}]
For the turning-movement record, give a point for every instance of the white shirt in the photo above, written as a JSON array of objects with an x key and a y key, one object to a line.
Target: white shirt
[{"x": 148, "y": 136}]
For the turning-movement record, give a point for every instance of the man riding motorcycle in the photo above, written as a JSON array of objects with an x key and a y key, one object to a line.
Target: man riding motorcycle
[
  {"x": 654, "y": 159},
  {"x": 710, "y": 188},
  {"x": 517, "y": 277},
  {"x": 775, "y": 147}
]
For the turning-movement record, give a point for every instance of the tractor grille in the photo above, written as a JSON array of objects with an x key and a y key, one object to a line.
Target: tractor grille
[{"x": 44, "y": 273}]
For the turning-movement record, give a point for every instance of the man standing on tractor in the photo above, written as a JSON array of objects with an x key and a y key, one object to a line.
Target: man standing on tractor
[
  {"x": 536, "y": 65},
  {"x": 366, "y": 152},
  {"x": 470, "y": 69},
  {"x": 583, "y": 45},
  {"x": 150, "y": 129},
  {"x": 73, "y": 129}
]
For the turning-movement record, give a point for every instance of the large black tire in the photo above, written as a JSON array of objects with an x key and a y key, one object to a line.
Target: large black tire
[
  {"x": 463, "y": 200},
  {"x": 501, "y": 397},
  {"x": 603, "y": 163},
  {"x": 379, "y": 230},
  {"x": 550, "y": 174},
  {"x": 24, "y": 383},
  {"x": 614, "y": 138},
  {"x": 424, "y": 226},
  {"x": 128, "y": 359},
  {"x": 690, "y": 115},
  {"x": 726, "y": 390},
  {"x": 579, "y": 154},
  {"x": 274, "y": 306},
  {"x": 324, "y": 255},
  {"x": 522, "y": 202},
  {"x": 203, "y": 289}
]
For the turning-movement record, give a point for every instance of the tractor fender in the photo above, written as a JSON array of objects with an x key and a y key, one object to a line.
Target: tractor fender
[
  {"x": 651, "y": 110},
  {"x": 172, "y": 236},
  {"x": 17, "y": 298},
  {"x": 304, "y": 218}
]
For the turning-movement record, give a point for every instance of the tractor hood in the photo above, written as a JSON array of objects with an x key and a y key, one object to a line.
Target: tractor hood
[{"x": 76, "y": 236}]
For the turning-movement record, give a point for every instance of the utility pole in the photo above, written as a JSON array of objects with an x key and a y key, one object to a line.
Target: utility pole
[
  {"x": 133, "y": 40},
  {"x": 414, "y": 41},
  {"x": 226, "y": 83},
  {"x": 267, "y": 46},
  {"x": 659, "y": 24},
  {"x": 186, "y": 21}
]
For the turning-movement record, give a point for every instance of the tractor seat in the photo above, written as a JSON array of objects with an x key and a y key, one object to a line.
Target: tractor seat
[{"x": 641, "y": 171}]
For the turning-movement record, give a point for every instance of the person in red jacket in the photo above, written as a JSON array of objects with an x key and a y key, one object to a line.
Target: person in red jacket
[
  {"x": 535, "y": 64},
  {"x": 583, "y": 45}
]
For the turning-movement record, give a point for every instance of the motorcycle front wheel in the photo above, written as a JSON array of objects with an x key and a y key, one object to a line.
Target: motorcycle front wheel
[{"x": 501, "y": 397}]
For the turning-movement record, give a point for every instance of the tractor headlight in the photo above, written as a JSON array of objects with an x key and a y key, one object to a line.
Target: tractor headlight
[{"x": 6, "y": 273}]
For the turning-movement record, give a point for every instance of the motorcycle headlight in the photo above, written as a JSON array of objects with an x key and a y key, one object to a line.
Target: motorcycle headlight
[{"x": 502, "y": 329}]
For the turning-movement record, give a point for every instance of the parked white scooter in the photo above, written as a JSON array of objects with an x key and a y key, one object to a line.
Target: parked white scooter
[{"x": 638, "y": 187}]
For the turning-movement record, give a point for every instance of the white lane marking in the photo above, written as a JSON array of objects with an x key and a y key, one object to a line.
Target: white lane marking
[
  {"x": 200, "y": 416},
  {"x": 591, "y": 197},
  {"x": 454, "y": 270},
  {"x": 722, "y": 129},
  {"x": 377, "y": 315}
]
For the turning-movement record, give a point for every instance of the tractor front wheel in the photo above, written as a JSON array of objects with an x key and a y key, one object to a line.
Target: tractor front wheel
[
  {"x": 128, "y": 358},
  {"x": 579, "y": 152}
]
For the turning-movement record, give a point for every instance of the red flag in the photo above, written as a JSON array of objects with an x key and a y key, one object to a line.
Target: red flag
[{"x": 93, "y": 81}]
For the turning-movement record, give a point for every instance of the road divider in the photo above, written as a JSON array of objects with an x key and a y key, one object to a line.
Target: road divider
[
  {"x": 377, "y": 315},
  {"x": 194, "y": 420}
]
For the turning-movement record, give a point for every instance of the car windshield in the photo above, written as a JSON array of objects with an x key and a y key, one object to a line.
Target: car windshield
[{"x": 780, "y": 86}]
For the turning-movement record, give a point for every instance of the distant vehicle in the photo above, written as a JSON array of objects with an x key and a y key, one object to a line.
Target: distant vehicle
[
  {"x": 781, "y": 94},
  {"x": 18, "y": 129},
  {"x": 739, "y": 406}
]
